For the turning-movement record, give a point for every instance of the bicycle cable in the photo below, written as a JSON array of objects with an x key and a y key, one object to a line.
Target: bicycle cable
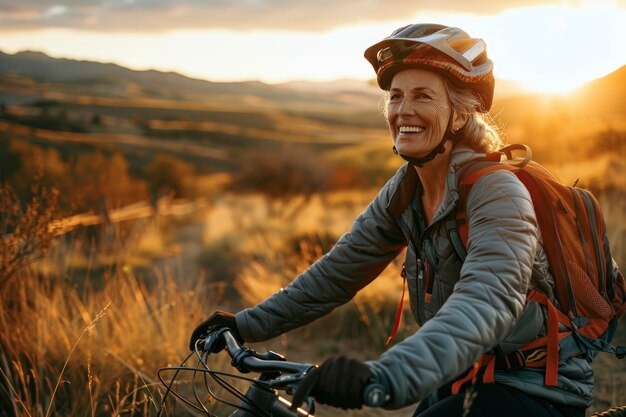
[
  {"x": 216, "y": 375},
  {"x": 201, "y": 367}
]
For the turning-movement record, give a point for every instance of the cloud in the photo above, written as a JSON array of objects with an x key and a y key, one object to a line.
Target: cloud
[{"x": 162, "y": 15}]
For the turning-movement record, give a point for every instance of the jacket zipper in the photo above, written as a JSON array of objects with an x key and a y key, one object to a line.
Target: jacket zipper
[
  {"x": 419, "y": 253},
  {"x": 420, "y": 297},
  {"x": 424, "y": 295}
]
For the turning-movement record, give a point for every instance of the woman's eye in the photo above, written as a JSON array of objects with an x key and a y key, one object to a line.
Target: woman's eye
[
  {"x": 423, "y": 96},
  {"x": 395, "y": 97}
]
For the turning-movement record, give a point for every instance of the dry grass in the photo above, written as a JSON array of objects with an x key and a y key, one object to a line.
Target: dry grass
[
  {"x": 93, "y": 352},
  {"x": 93, "y": 349}
]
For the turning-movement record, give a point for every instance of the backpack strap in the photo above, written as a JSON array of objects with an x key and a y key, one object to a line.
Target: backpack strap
[
  {"x": 538, "y": 353},
  {"x": 485, "y": 360},
  {"x": 399, "y": 309},
  {"x": 467, "y": 176},
  {"x": 551, "y": 341}
]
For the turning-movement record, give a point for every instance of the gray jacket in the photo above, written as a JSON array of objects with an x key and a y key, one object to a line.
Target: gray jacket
[{"x": 476, "y": 304}]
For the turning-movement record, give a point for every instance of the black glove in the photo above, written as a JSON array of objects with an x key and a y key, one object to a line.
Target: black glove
[
  {"x": 339, "y": 382},
  {"x": 218, "y": 320}
]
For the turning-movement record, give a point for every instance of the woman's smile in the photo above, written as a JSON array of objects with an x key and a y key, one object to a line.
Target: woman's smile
[{"x": 408, "y": 130}]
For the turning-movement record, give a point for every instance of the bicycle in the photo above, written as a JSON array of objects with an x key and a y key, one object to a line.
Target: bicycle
[{"x": 275, "y": 374}]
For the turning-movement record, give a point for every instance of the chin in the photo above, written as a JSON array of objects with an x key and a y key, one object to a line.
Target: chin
[{"x": 410, "y": 152}]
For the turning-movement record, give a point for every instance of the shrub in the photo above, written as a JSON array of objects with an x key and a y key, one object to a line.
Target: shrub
[
  {"x": 167, "y": 174},
  {"x": 283, "y": 173},
  {"x": 25, "y": 229}
]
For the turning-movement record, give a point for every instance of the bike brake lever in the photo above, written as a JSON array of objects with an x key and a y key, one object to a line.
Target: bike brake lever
[
  {"x": 305, "y": 387},
  {"x": 211, "y": 339}
]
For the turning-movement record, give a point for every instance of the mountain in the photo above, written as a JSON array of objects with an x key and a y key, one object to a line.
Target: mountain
[
  {"x": 43, "y": 68},
  {"x": 43, "y": 77},
  {"x": 606, "y": 93},
  {"x": 602, "y": 98},
  {"x": 610, "y": 82},
  {"x": 112, "y": 80}
]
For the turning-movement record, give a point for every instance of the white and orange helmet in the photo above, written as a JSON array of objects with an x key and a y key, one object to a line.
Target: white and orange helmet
[{"x": 448, "y": 50}]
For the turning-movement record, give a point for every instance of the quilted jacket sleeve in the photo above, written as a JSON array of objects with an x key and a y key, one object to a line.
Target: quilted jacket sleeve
[
  {"x": 356, "y": 259},
  {"x": 486, "y": 302}
]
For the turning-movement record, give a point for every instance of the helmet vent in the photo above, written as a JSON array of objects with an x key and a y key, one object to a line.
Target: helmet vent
[{"x": 475, "y": 50}]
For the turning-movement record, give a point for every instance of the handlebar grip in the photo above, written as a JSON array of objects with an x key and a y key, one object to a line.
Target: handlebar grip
[
  {"x": 232, "y": 345},
  {"x": 375, "y": 395}
]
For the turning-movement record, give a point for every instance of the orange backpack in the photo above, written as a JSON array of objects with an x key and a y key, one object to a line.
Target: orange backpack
[{"x": 590, "y": 297}]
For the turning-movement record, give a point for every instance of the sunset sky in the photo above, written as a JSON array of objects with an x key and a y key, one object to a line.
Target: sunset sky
[{"x": 545, "y": 45}]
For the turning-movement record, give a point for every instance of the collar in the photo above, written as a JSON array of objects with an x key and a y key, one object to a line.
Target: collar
[{"x": 408, "y": 182}]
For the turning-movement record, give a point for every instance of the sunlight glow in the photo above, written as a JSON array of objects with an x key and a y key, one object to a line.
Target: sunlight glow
[
  {"x": 556, "y": 49},
  {"x": 546, "y": 48}
]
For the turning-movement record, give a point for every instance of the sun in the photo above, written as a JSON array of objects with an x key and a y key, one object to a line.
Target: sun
[{"x": 558, "y": 48}]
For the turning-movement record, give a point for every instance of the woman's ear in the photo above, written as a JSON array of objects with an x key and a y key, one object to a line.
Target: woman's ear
[{"x": 459, "y": 120}]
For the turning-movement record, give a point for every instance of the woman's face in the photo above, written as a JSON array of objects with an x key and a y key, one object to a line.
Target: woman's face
[{"x": 418, "y": 111}]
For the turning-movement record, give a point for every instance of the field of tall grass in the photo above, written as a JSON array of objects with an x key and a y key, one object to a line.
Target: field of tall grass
[{"x": 84, "y": 329}]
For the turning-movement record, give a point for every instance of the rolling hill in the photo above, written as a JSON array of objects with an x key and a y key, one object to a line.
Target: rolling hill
[{"x": 77, "y": 106}]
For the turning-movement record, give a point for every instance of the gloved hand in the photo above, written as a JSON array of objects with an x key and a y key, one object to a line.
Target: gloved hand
[
  {"x": 218, "y": 320},
  {"x": 339, "y": 381}
]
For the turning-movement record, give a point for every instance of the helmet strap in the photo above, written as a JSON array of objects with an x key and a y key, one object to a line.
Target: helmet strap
[{"x": 440, "y": 148}]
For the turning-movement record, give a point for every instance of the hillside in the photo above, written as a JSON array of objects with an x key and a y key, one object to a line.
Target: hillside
[
  {"x": 43, "y": 68},
  {"x": 76, "y": 107},
  {"x": 38, "y": 91},
  {"x": 111, "y": 80}
]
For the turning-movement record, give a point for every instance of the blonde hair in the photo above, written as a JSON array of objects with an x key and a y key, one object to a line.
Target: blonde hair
[{"x": 480, "y": 132}]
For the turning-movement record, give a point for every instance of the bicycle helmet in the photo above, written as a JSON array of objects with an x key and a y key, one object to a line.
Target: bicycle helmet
[{"x": 443, "y": 48}]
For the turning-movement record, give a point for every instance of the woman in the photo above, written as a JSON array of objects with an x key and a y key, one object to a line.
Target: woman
[{"x": 440, "y": 84}]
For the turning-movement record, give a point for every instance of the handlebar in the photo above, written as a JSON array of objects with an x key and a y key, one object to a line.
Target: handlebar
[
  {"x": 283, "y": 372},
  {"x": 246, "y": 360},
  {"x": 261, "y": 397}
]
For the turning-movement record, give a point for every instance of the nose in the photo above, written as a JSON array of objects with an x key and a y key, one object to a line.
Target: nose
[{"x": 406, "y": 108}]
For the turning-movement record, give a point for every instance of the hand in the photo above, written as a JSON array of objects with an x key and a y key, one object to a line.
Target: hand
[
  {"x": 218, "y": 320},
  {"x": 339, "y": 381}
]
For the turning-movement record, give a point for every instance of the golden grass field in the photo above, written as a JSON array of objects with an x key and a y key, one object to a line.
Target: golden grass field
[{"x": 73, "y": 348}]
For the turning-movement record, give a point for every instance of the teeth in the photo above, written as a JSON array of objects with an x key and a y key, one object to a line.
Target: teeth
[{"x": 410, "y": 129}]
